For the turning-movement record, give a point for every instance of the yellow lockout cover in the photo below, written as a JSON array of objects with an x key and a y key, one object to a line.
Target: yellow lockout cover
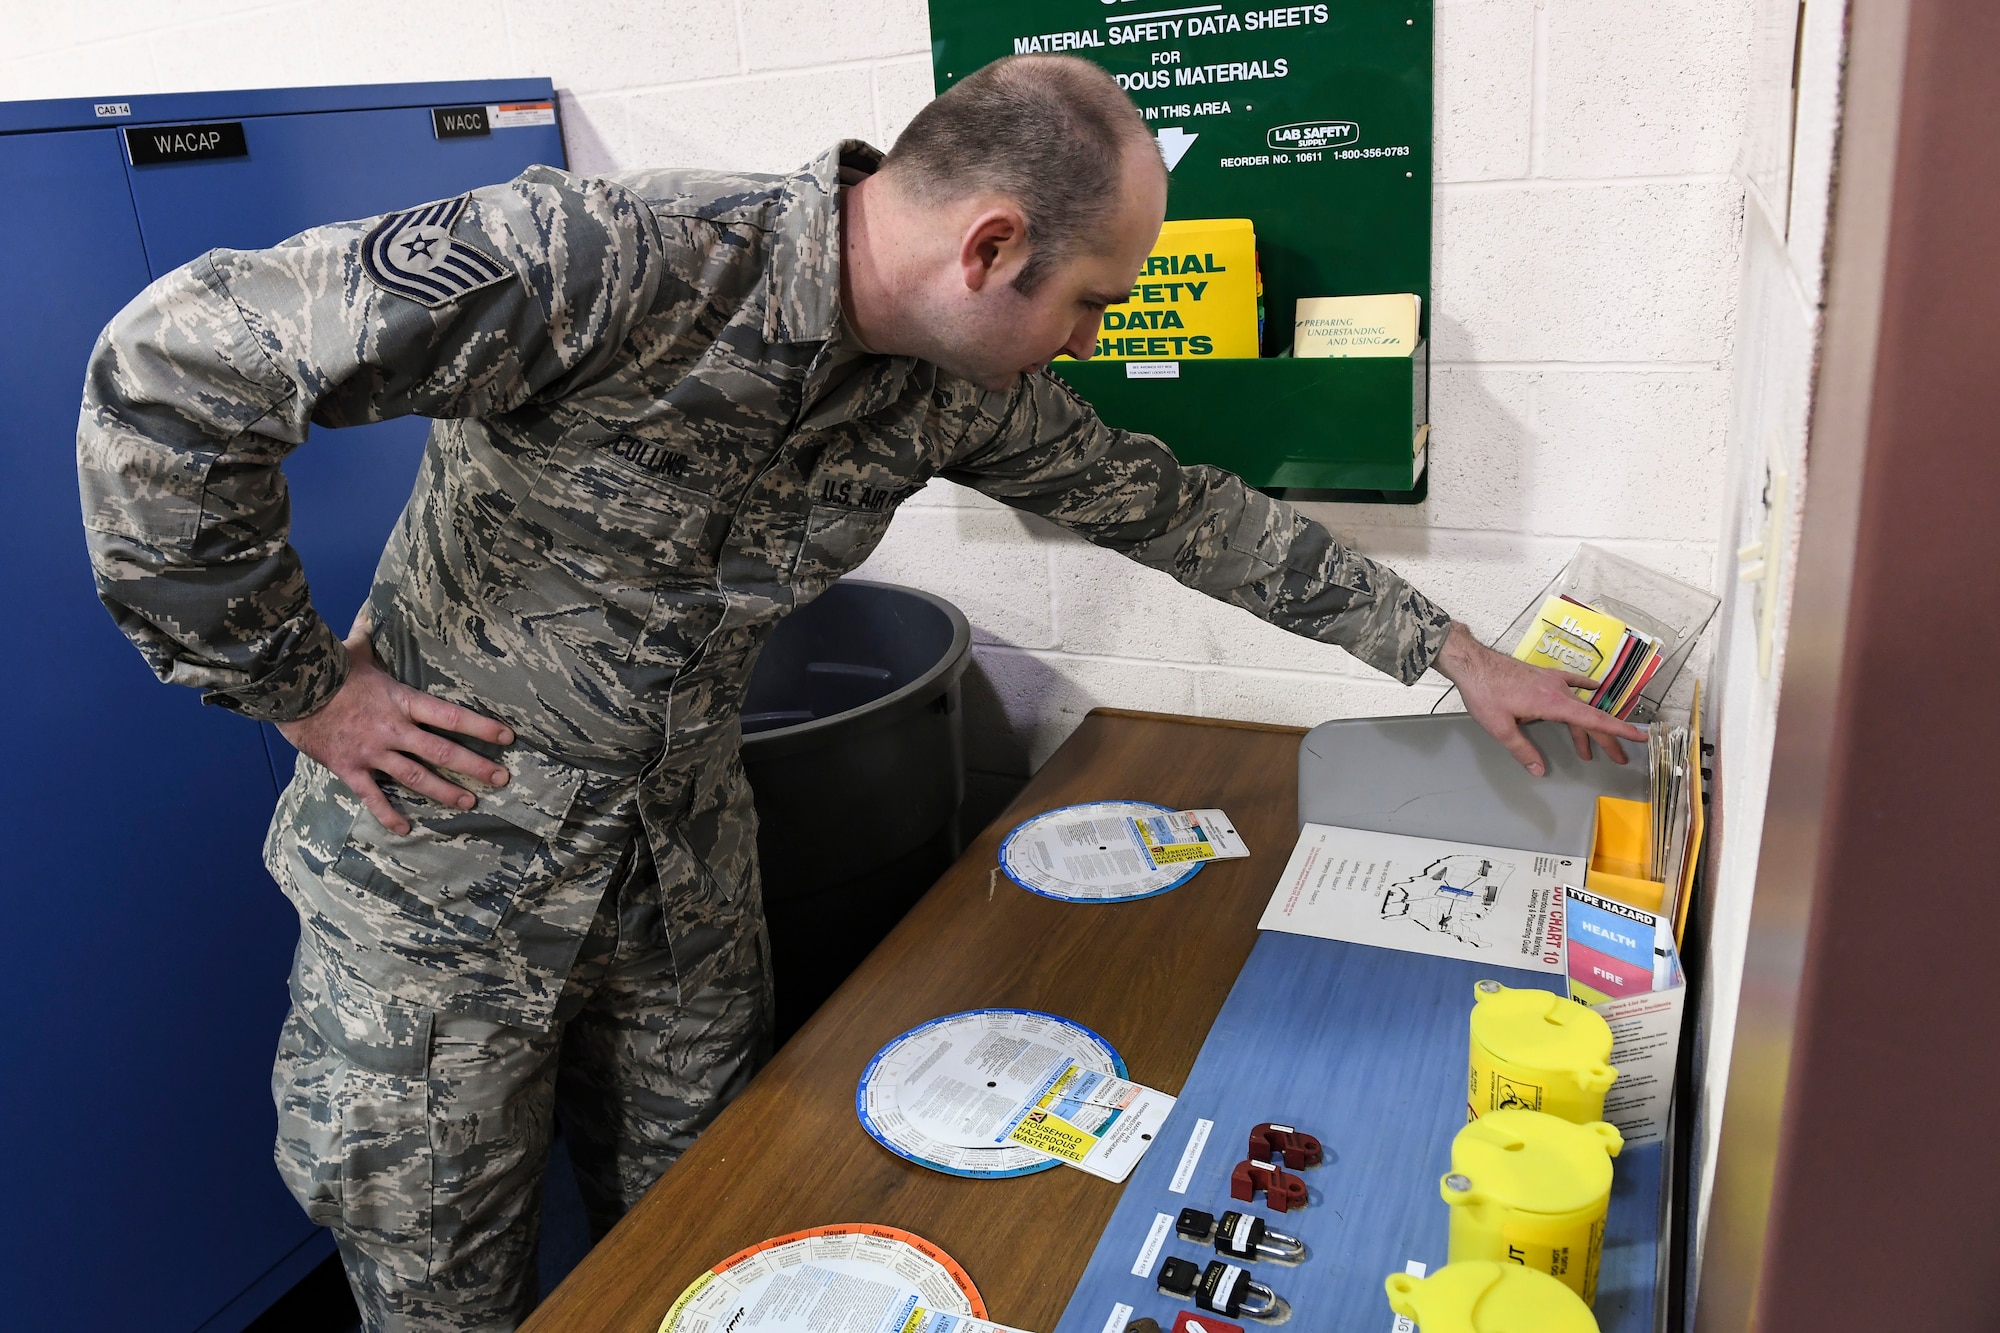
[
  {"x": 1196, "y": 300},
  {"x": 1484, "y": 1297},
  {"x": 1533, "y": 1189},
  {"x": 1540, "y": 1030},
  {"x": 1534, "y": 1163}
]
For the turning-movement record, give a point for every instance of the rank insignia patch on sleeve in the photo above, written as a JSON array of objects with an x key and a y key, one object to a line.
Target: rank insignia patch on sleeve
[{"x": 414, "y": 255}]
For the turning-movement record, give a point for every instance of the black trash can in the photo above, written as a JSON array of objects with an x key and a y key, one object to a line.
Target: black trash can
[{"x": 854, "y": 743}]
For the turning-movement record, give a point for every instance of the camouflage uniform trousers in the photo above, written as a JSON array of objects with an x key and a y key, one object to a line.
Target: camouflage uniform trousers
[{"x": 419, "y": 1137}]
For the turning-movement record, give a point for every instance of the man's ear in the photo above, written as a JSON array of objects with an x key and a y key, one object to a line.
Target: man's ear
[{"x": 994, "y": 247}]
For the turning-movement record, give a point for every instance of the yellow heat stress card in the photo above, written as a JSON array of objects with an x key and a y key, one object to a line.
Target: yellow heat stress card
[{"x": 1196, "y": 299}]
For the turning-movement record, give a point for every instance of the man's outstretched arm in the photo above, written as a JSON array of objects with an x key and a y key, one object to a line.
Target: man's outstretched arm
[{"x": 1042, "y": 449}]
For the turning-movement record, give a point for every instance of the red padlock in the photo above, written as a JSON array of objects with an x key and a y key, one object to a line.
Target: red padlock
[
  {"x": 1282, "y": 1191},
  {"x": 1281, "y": 1143}
]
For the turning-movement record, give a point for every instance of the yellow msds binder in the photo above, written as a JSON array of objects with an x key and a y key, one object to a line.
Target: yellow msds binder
[
  {"x": 1356, "y": 325},
  {"x": 1196, "y": 299}
]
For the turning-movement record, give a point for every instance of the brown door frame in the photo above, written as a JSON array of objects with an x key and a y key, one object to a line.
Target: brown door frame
[{"x": 1856, "y": 1145}]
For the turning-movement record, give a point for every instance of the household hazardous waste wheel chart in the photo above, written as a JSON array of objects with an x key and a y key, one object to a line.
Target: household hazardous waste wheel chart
[
  {"x": 941, "y": 1094},
  {"x": 848, "y": 1278},
  {"x": 1089, "y": 853}
]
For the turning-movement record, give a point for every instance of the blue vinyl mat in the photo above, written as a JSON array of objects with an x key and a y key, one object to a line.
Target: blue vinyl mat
[{"x": 1366, "y": 1049}]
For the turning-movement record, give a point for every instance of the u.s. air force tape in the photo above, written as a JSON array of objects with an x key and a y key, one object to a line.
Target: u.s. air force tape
[{"x": 414, "y": 255}]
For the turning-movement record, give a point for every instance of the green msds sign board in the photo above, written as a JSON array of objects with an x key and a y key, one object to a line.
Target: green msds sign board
[{"x": 1311, "y": 120}]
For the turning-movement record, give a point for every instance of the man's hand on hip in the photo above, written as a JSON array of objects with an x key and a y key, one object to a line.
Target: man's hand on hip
[
  {"x": 375, "y": 724},
  {"x": 1501, "y": 693}
]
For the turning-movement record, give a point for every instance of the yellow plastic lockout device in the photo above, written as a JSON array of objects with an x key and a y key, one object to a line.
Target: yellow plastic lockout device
[
  {"x": 1531, "y": 1189},
  {"x": 1489, "y": 1298},
  {"x": 1533, "y": 1050},
  {"x": 1196, "y": 299}
]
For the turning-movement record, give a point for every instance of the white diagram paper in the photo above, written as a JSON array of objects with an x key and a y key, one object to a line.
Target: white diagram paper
[{"x": 1425, "y": 895}]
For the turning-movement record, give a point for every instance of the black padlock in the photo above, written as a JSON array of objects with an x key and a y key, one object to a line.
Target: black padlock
[
  {"x": 1240, "y": 1236},
  {"x": 1220, "y": 1288}
]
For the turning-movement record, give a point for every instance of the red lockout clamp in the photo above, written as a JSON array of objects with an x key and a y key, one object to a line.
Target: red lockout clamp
[
  {"x": 1281, "y": 1143},
  {"x": 1282, "y": 1190}
]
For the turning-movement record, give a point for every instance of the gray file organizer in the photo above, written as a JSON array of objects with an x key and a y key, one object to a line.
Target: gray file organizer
[{"x": 1444, "y": 777}]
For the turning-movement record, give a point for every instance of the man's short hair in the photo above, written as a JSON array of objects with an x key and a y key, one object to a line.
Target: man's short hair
[{"x": 1049, "y": 132}]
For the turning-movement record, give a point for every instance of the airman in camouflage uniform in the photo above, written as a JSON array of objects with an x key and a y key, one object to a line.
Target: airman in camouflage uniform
[{"x": 654, "y": 438}]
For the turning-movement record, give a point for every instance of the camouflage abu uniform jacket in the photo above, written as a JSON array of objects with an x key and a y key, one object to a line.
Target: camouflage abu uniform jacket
[{"x": 649, "y": 446}]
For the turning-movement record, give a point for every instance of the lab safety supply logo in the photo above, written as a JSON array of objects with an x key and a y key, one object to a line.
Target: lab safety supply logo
[
  {"x": 414, "y": 255},
  {"x": 1310, "y": 136}
]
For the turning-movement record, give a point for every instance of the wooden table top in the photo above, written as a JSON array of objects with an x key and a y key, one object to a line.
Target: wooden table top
[{"x": 1149, "y": 976}]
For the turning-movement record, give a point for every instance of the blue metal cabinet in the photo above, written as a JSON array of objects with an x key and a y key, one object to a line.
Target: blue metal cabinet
[{"x": 143, "y": 950}]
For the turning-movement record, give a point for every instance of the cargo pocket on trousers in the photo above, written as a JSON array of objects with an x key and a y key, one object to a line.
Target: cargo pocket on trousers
[{"x": 353, "y": 1103}]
